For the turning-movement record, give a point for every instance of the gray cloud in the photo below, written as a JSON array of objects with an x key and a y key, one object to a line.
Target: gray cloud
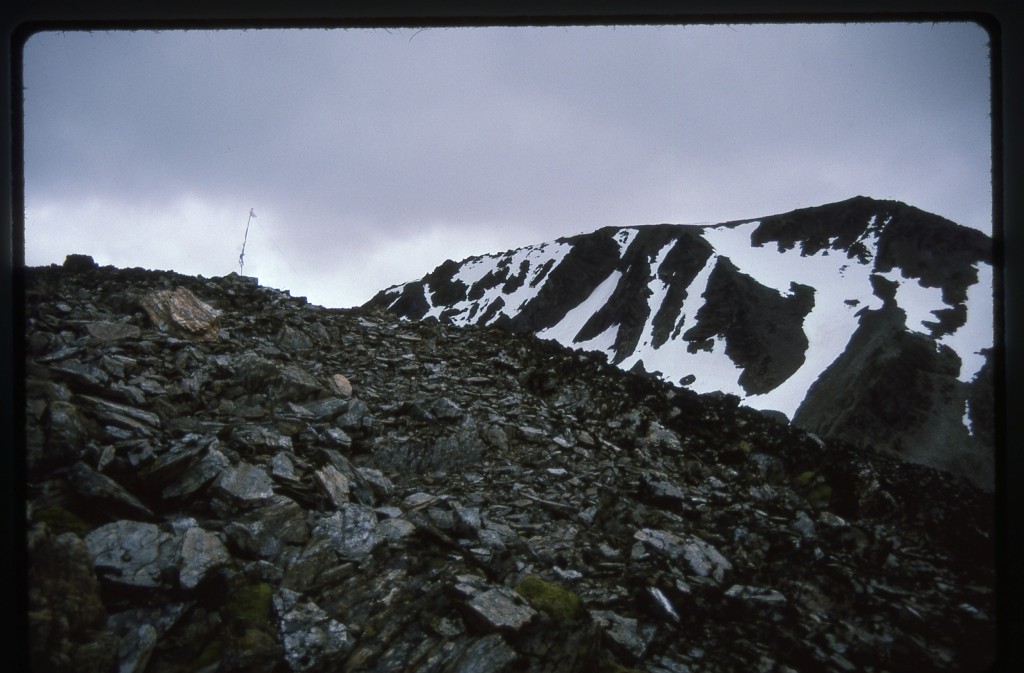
[{"x": 370, "y": 155}]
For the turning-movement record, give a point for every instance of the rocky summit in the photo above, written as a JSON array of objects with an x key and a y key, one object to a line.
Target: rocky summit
[{"x": 222, "y": 477}]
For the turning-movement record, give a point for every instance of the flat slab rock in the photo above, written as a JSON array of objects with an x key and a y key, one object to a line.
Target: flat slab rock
[
  {"x": 352, "y": 531},
  {"x": 201, "y": 552},
  {"x": 312, "y": 639},
  {"x": 628, "y": 633},
  {"x": 500, "y": 608},
  {"x": 702, "y": 558},
  {"x": 133, "y": 553},
  {"x": 181, "y": 312}
]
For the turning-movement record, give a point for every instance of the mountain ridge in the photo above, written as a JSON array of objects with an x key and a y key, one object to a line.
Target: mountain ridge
[{"x": 761, "y": 308}]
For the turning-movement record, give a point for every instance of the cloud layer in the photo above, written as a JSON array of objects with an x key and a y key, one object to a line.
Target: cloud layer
[{"x": 370, "y": 156}]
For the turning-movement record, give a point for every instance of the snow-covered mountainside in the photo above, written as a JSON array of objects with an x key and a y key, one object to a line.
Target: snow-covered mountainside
[{"x": 867, "y": 321}]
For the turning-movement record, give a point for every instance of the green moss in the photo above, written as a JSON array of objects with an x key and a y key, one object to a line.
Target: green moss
[
  {"x": 820, "y": 495},
  {"x": 556, "y": 601},
  {"x": 211, "y": 654},
  {"x": 248, "y": 626},
  {"x": 59, "y": 520},
  {"x": 610, "y": 666},
  {"x": 804, "y": 478},
  {"x": 251, "y": 605},
  {"x": 255, "y": 640}
]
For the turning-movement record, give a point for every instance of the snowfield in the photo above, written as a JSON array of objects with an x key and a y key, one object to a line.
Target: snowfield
[{"x": 842, "y": 290}]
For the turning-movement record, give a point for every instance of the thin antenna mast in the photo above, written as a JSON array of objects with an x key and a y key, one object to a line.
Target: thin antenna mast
[{"x": 241, "y": 258}]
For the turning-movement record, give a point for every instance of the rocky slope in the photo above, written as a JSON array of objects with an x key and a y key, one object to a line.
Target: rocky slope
[
  {"x": 221, "y": 477},
  {"x": 842, "y": 317}
]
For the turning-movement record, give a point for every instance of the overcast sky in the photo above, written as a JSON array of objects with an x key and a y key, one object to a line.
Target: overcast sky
[{"x": 370, "y": 156}]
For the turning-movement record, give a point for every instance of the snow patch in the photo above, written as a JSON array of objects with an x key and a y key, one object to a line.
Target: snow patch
[
  {"x": 602, "y": 343},
  {"x": 474, "y": 270},
  {"x": 658, "y": 289},
  {"x": 978, "y": 332},
  {"x": 426, "y": 295},
  {"x": 967, "y": 342},
  {"x": 624, "y": 237},
  {"x": 967, "y": 418},
  {"x": 568, "y": 327},
  {"x": 916, "y": 300},
  {"x": 842, "y": 288},
  {"x": 713, "y": 370}
]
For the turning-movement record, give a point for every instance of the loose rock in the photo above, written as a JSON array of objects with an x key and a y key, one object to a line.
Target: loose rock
[{"x": 266, "y": 485}]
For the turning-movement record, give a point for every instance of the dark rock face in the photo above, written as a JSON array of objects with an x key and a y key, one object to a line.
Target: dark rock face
[
  {"x": 590, "y": 261},
  {"x": 634, "y": 286},
  {"x": 763, "y": 330},
  {"x": 940, "y": 253},
  {"x": 921, "y": 419},
  {"x": 336, "y": 490},
  {"x": 628, "y": 305}
]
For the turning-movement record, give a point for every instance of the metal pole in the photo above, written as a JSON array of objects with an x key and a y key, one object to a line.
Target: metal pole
[{"x": 241, "y": 258}]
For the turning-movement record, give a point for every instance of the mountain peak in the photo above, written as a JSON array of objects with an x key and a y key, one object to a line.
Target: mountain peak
[{"x": 761, "y": 308}]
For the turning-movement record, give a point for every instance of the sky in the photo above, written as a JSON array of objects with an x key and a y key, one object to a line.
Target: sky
[{"x": 369, "y": 156}]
